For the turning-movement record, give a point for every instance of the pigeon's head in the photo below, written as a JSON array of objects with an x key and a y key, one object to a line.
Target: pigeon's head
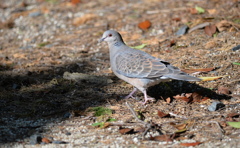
[{"x": 111, "y": 37}]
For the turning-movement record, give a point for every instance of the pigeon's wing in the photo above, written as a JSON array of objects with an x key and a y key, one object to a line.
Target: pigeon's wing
[{"x": 138, "y": 64}]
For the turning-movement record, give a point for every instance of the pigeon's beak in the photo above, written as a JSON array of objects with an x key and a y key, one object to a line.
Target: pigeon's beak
[{"x": 102, "y": 39}]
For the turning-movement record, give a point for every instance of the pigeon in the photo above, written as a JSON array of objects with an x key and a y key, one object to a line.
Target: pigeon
[{"x": 139, "y": 68}]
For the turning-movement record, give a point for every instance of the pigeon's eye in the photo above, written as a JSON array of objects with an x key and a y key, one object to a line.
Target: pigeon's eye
[{"x": 110, "y": 35}]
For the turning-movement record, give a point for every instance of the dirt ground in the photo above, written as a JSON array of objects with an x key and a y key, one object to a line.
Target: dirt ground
[{"x": 45, "y": 43}]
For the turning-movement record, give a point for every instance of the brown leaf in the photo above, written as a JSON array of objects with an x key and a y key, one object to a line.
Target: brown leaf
[
  {"x": 193, "y": 11},
  {"x": 75, "y": 2},
  {"x": 172, "y": 43},
  {"x": 179, "y": 126},
  {"x": 210, "y": 30},
  {"x": 197, "y": 97},
  {"x": 176, "y": 19},
  {"x": 81, "y": 20},
  {"x": 167, "y": 138},
  {"x": 162, "y": 114},
  {"x": 224, "y": 25},
  {"x": 223, "y": 90},
  {"x": 46, "y": 140},
  {"x": 190, "y": 144},
  {"x": 197, "y": 70},
  {"x": 184, "y": 98},
  {"x": 144, "y": 25},
  {"x": 125, "y": 130}
]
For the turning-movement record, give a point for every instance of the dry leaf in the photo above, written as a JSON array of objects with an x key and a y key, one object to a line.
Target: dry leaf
[
  {"x": 210, "y": 30},
  {"x": 223, "y": 90},
  {"x": 224, "y": 25},
  {"x": 46, "y": 140},
  {"x": 81, "y": 20},
  {"x": 211, "y": 11},
  {"x": 167, "y": 138},
  {"x": 179, "y": 126},
  {"x": 75, "y": 2},
  {"x": 189, "y": 71},
  {"x": 184, "y": 98},
  {"x": 210, "y": 78},
  {"x": 190, "y": 144},
  {"x": 162, "y": 114},
  {"x": 193, "y": 11},
  {"x": 144, "y": 25},
  {"x": 125, "y": 130}
]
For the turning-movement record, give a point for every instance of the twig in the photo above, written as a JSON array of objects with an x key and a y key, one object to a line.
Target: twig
[
  {"x": 134, "y": 114},
  {"x": 148, "y": 126},
  {"x": 175, "y": 115},
  {"x": 219, "y": 127}
]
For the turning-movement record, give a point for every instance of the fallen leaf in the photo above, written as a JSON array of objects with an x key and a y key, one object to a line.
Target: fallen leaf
[
  {"x": 179, "y": 126},
  {"x": 189, "y": 71},
  {"x": 162, "y": 114},
  {"x": 223, "y": 90},
  {"x": 125, "y": 130},
  {"x": 184, "y": 98},
  {"x": 224, "y": 25},
  {"x": 210, "y": 30},
  {"x": 139, "y": 46},
  {"x": 199, "y": 9},
  {"x": 81, "y": 20},
  {"x": 167, "y": 138},
  {"x": 193, "y": 10},
  {"x": 172, "y": 43},
  {"x": 176, "y": 19},
  {"x": 234, "y": 124},
  {"x": 211, "y": 11},
  {"x": 210, "y": 78},
  {"x": 190, "y": 144},
  {"x": 46, "y": 140},
  {"x": 181, "y": 131},
  {"x": 235, "y": 63},
  {"x": 75, "y": 2},
  {"x": 144, "y": 25}
]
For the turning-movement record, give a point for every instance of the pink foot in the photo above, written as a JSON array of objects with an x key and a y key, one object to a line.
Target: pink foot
[
  {"x": 147, "y": 98},
  {"x": 131, "y": 94}
]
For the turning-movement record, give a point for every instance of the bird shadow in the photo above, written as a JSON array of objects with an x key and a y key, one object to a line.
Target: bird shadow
[{"x": 175, "y": 87}]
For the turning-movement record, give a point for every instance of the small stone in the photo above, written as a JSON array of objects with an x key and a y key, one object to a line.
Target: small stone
[
  {"x": 183, "y": 30},
  {"x": 35, "y": 14},
  {"x": 236, "y": 48},
  {"x": 67, "y": 115},
  {"x": 215, "y": 106},
  {"x": 35, "y": 139},
  {"x": 68, "y": 133}
]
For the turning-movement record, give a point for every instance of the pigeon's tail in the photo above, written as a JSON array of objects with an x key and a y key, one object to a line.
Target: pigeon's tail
[{"x": 183, "y": 76}]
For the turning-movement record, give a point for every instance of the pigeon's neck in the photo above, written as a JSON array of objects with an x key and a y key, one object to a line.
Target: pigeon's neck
[{"x": 116, "y": 44}]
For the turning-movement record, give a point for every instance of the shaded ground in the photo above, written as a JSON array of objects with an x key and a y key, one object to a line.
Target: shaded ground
[{"x": 40, "y": 40}]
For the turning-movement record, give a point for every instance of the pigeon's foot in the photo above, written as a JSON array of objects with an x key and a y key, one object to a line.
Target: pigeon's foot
[
  {"x": 131, "y": 94},
  {"x": 147, "y": 98}
]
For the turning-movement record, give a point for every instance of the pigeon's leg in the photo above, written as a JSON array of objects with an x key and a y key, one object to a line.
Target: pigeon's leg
[
  {"x": 131, "y": 94},
  {"x": 146, "y": 97}
]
